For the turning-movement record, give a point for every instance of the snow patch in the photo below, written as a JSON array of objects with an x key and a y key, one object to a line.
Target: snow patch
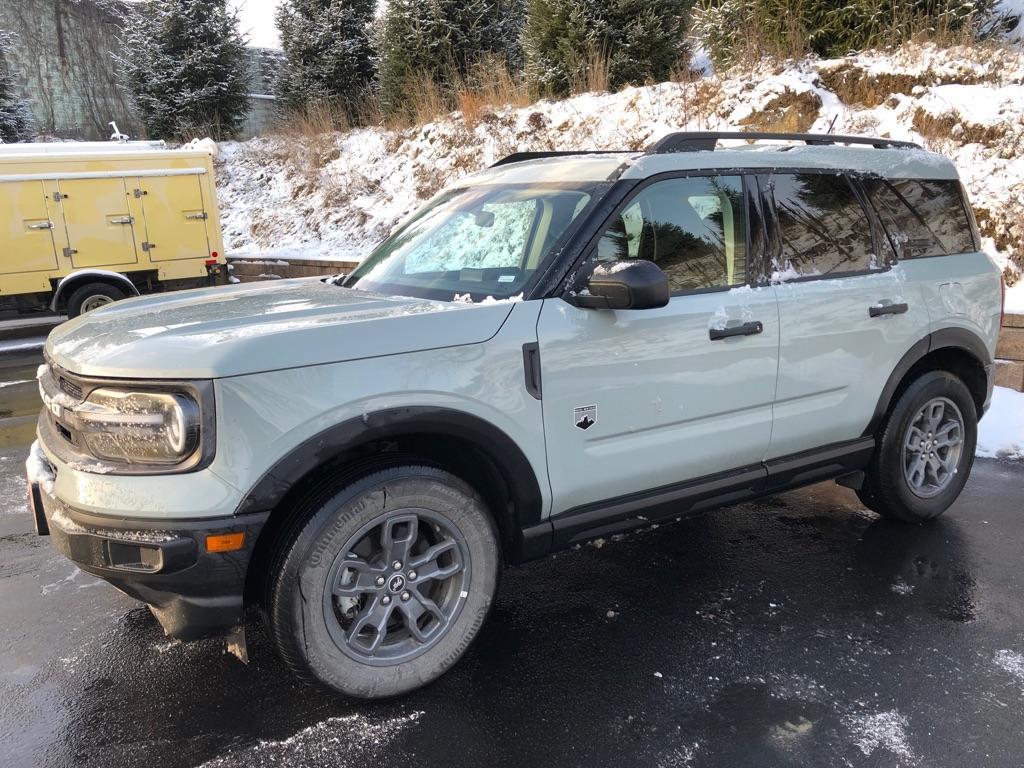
[
  {"x": 881, "y": 730},
  {"x": 1011, "y": 662},
  {"x": 345, "y": 740},
  {"x": 1001, "y": 431}
]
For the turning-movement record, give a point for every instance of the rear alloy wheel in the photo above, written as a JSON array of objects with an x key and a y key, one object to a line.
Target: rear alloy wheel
[
  {"x": 925, "y": 450},
  {"x": 92, "y": 296},
  {"x": 384, "y": 585},
  {"x": 932, "y": 445}
]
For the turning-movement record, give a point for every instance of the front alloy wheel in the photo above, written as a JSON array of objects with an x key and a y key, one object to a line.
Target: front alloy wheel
[
  {"x": 381, "y": 586},
  {"x": 396, "y": 586}
]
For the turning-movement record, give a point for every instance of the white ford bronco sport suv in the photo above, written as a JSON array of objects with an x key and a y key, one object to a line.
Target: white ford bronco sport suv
[{"x": 563, "y": 346}]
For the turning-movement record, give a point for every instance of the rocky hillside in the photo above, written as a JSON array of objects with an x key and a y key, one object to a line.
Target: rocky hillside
[{"x": 335, "y": 195}]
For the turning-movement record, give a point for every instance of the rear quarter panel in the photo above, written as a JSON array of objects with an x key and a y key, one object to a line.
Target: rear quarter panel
[{"x": 961, "y": 291}]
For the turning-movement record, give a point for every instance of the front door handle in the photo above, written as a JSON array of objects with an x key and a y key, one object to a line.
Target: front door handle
[
  {"x": 747, "y": 329},
  {"x": 887, "y": 309}
]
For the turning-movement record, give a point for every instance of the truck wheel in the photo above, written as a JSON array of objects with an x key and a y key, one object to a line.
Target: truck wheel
[
  {"x": 92, "y": 296},
  {"x": 925, "y": 450},
  {"x": 383, "y": 585}
]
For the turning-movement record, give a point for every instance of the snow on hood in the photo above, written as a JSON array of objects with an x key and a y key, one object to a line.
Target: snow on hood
[{"x": 235, "y": 330}]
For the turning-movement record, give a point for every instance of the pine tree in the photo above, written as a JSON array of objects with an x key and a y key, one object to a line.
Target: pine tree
[
  {"x": 329, "y": 57},
  {"x": 441, "y": 40},
  {"x": 184, "y": 63},
  {"x": 15, "y": 118},
  {"x": 636, "y": 40}
]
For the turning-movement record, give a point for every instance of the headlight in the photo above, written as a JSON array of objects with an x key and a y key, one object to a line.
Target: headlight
[{"x": 139, "y": 427}]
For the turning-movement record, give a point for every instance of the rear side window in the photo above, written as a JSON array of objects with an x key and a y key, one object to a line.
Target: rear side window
[
  {"x": 921, "y": 217},
  {"x": 822, "y": 227}
]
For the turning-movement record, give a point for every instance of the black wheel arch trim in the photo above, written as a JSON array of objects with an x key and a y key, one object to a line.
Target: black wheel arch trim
[
  {"x": 944, "y": 338},
  {"x": 502, "y": 451}
]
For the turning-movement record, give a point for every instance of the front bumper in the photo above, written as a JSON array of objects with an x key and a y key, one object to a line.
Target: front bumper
[{"x": 192, "y": 592}]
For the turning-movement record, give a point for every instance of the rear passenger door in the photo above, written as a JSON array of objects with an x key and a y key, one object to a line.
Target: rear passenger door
[
  {"x": 846, "y": 316},
  {"x": 641, "y": 399}
]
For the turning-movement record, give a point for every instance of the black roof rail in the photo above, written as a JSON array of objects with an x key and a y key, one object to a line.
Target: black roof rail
[
  {"x": 684, "y": 141},
  {"x": 519, "y": 157}
]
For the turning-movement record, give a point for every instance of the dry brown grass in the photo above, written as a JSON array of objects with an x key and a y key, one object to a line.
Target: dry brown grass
[
  {"x": 987, "y": 61},
  {"x": 314, "y": 120},
  {"x": 590, "y": 72},
  {"x": 789, "y": 112},
  {"x": 489, "y": 85},
  {"x": 951, "y": 126},
  {"x": 698, "y": 100}
]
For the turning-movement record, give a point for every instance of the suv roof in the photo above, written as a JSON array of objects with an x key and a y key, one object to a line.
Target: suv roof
[{"x": 701, "y": 151}]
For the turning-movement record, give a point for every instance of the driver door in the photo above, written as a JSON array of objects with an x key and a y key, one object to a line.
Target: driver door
[{"x": 635, "y": 400}]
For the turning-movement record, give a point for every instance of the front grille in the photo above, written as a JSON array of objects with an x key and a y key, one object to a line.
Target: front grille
[{"x": 71, "y": 388}]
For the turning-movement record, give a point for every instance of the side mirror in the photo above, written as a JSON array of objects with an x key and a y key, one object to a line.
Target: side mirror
[{"x": 632, "y": 284}]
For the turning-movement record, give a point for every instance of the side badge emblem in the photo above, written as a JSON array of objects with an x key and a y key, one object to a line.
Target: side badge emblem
[{"x": 584, "y": 416}]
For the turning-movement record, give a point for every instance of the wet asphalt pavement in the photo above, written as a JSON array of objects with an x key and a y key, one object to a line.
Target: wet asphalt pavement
[{"x": 801, "y": 630}]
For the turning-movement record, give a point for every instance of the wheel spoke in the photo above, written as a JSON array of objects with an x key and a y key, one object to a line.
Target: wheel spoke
[
  {"x": 374, "y": 615},
  {"x": 948, "y": 435},
  {"x": 934, "y": 413},
  {"x": 949, "y": 461},
  {"x": 360, "y": 577},
  {"x": 916, "y": 473},
  {"x": 914, "y": 438},
  {"x": 427, "y": 565},
  {"x": 413, "y": 610},
  {"x": 398, "y": 534}
]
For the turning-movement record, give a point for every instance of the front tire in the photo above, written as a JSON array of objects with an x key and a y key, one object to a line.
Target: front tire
[
  {"x": 925, "y": 450},
  {"x": 384, "y": 585}
]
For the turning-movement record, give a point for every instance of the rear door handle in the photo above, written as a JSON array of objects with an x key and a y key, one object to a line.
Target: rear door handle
[
  {"x": 747, "y": 329},
  {"x": 887, "y": 309}
]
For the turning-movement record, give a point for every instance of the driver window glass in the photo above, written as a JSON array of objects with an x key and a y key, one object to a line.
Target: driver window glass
[{"x": 693, "y": 228}]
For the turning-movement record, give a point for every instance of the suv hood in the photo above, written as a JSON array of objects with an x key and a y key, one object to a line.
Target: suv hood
[{"x": 234, "y": 330}]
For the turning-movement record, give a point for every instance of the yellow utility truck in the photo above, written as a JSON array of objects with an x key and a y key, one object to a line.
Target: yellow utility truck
[{"x": 85, "y": 224}]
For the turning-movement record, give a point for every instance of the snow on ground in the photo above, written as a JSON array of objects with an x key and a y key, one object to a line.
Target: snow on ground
[
  {"x": 336, "y": 195},
  {"x": 1001, "y": 432},
  {"x": 881, "y": 731},
  {"x": 342, "y": 741}
]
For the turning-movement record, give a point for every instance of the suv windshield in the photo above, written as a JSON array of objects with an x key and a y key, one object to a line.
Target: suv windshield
[{"x": 474, "y": 242}]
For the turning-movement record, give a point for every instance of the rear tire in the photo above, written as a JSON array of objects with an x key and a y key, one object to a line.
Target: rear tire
[
  {"x": 381, "y": 586},
  {"x": 925, "y": 450},
  {"x": 92, "y": 296}
]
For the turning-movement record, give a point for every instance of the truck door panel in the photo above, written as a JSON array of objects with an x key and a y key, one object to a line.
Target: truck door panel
[
  {"x": 100, "y": 227},
  {"x": 175, "y": 217},
  {"x": 26, "y": 236}
]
